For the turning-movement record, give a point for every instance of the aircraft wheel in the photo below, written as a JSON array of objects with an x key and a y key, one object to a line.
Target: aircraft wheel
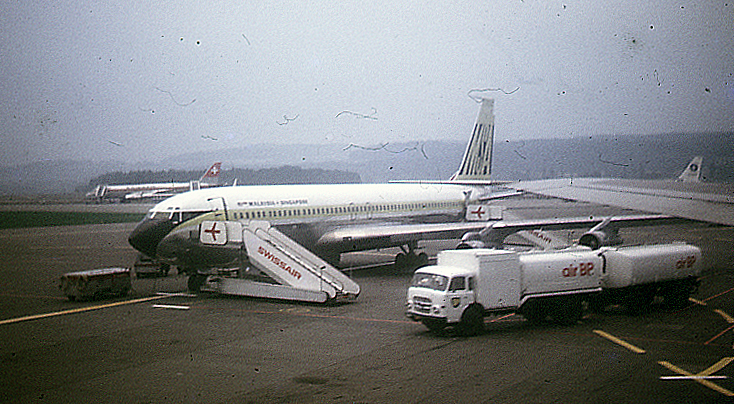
[
  {"x": 410, "y": 261},
  {"x": 401, "y": 261},
  {"x": 422, "y": 259}
]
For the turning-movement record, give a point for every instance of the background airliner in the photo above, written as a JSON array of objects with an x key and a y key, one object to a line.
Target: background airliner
[
  {"x": 190, "y": 230},
  {"x": 149, "y": 191}
]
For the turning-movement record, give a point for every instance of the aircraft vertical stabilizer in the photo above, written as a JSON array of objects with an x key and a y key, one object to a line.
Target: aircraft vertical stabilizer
[
  {"x": 692, "y": 173},
  {"x": 211, "y": 176},
  {"x": 477, "y": 161}
]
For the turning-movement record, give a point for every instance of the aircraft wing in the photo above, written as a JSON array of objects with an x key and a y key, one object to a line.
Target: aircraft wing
[
  {"x": 708, "y": 202},
  {"x": 381, "y": 236}
]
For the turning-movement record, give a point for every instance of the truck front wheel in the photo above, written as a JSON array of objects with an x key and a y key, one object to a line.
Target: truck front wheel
[{"x": 472, "y": 321}]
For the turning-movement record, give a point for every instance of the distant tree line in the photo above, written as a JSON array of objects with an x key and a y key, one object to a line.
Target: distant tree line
[{"x": 244, "y": 176}]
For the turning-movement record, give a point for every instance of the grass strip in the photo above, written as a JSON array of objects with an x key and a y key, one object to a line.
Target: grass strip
[{"x": 18, "y": 220}]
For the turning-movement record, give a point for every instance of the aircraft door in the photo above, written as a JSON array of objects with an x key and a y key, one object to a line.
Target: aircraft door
[
  {"x": 219, "y": 205},
  {"x": 352, "y": 211}
]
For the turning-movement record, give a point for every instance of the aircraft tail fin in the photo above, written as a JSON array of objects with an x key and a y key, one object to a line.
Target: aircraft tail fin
[
  {"x": 477, "y": 162},
  {"x": 211, "y": 176},
  {"x": 692, "y": 173}
]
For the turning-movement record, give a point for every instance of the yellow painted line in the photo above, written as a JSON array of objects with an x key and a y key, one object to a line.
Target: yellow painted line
[
  {"x": 716, "y": 367},
  {"x": 698, "y": 302},
  {"x": 619, "y": 342},
  {"x": 727, "y": 317},
  {"x": 705, "y": 382},
  {"x": 79, "y": 310}
]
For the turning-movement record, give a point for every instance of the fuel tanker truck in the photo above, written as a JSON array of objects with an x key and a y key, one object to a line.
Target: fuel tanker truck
[{"x": 467, "y": 285}]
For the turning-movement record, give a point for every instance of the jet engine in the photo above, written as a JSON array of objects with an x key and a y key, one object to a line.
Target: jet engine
[
  {"x": 601, "y": 235},
  {"x": 471, "y": 240},
  {"x": 597, "y": 239}
]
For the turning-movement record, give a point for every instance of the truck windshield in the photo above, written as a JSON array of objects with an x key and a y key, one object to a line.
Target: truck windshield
[{"x": 430, "y": 281}]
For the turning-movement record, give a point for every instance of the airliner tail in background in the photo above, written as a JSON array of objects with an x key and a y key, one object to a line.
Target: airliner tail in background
[
  {"x": 211, "y": 176},
  {"x": 154, "y": 191},
  {"x": 692, "y": 173}
]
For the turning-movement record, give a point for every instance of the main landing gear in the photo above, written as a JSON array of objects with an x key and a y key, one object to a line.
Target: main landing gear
[{"x": 410, "y": 260}]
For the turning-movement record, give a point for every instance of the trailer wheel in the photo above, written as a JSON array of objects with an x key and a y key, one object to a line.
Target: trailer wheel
[
  {"x": 195, "y": 282},
  {"x": 472, "y": 321},
  {"x": 533, "y": 312},
  {"x": 640, "y": 300},
  {"x": 568, "y": 311},
  {"x": 165, "y": 268},
  {"x": 676, "y": 295}
]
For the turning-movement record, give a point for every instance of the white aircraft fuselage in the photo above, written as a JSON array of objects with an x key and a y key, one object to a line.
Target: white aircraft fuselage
[{"x": 307, "y": 213}]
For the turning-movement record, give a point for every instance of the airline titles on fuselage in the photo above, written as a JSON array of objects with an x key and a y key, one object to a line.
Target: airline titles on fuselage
[{"x": 288, "y": 202}]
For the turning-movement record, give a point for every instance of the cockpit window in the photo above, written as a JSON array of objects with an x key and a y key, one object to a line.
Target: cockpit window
[
  {"x": 176, "y": 216},
  {"x": 186, "y": 216}
]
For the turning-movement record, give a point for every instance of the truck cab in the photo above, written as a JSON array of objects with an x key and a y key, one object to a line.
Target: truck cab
[{"x": 441, "y": 293}]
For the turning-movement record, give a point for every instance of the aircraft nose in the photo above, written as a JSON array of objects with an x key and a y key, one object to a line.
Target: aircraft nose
[{"x": 148, "y": 234}]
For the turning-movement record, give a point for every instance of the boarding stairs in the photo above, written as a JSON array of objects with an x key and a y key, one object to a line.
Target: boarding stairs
[{"x": 299, "y": 273}]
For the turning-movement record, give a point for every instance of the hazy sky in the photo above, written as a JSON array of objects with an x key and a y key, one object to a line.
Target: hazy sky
[{"x": 142, "y": 80}]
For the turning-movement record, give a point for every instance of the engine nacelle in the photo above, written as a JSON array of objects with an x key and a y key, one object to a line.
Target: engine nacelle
[
  {"x": 598, "y": 239},
  {"x": 475, "y": 239},
  {"x": 470, "y": 240},
  {"x": 468, "y": 245}
]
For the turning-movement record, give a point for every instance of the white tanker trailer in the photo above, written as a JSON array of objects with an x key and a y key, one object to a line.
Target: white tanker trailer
[{"x": 467, "y": 285}]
